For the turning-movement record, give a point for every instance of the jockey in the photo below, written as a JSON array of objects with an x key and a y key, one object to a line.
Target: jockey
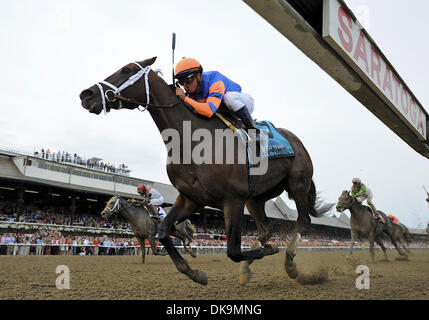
[
  {"x": 206, "y": 90},
  {"x": 393, "y": 218},
  {"x": 362, "y": 193},
  {"x": 155, "y": 197}
]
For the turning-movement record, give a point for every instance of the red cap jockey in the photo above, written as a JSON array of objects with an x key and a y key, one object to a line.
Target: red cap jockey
[{"x": 142, "y": 189}]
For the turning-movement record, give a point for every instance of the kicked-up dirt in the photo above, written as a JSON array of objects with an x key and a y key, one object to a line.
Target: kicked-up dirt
[{"x": 328, "y": 275}]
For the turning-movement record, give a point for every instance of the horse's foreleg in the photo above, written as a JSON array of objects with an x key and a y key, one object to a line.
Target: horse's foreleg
[
  {"x": 371, "y": 246},
  {"x": 182, "y": 209},
  {"x": 353, "y": 234},
  {"x": 142, "y": 246},
  {"x": 402, "y": 253},
  {"x": 381, "y": 244}
]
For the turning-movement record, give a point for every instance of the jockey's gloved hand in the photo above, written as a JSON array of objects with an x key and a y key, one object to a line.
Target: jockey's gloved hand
[{"x": 146, "y": 199}]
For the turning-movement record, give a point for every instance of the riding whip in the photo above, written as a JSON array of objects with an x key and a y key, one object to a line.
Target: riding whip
[{"x": 173, "y": 46}]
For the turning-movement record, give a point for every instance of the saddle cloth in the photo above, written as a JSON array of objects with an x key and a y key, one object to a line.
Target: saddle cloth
[{"x": 274, "y": 146}]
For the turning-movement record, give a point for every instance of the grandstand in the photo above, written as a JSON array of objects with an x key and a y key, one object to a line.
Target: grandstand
[{"x": 73, "y": 194}]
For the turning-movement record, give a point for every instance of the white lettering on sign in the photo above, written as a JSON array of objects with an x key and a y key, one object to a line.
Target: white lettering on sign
[{"x": 348, "y": 39}]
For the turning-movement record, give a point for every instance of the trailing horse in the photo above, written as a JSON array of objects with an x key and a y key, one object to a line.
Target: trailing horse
[
  {"x": 223, "y": 185},
  {"x": 143, "y": 225},
  {"x": 401, "y": 235},
  {"x": 363, "y": 224}
]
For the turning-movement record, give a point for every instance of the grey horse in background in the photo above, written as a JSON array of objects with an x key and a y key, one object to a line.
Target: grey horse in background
[
  {"x": 143, "y": 225},
  {"x": 363, "y": 224}
]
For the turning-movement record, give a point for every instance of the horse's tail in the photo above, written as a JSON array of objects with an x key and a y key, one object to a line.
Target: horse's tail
[{"x": 316, "y": 207}]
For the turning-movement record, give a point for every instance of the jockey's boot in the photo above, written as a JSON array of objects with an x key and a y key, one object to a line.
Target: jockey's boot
[
  {"x": 376, "y": 215},
  {"x": 248, "y": 121},
  {"x": 154, "y": 213}
]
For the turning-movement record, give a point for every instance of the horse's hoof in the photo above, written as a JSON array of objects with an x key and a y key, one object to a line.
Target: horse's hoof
[
  {"x": 292, "y": 272},
  {"x": 200, "y": 277},
  {"x": 245, "y": 277}
]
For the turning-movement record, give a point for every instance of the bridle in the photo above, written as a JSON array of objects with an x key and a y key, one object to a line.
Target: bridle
[
  {"x": 353, "y": 201},
  {"x": 116, "y": 207},
  {"x": 114, "y": 93}
]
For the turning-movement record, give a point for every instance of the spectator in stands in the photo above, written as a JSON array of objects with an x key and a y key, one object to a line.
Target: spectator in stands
[{"x": 39, "y": 246}]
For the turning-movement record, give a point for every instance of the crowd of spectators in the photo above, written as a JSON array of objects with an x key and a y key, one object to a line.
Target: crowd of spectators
[
  {"x": 93, "y": 163},
  {"x": 207, "y": 235},
  {"x": 53, "y": 242},
  {"x": 64, "y": 220}
]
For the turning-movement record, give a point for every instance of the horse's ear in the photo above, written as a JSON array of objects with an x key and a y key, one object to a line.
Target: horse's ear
[{"x": 148, "y": 62}]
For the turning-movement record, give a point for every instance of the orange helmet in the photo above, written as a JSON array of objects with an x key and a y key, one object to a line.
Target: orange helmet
[{"x": 186, "y": 66}]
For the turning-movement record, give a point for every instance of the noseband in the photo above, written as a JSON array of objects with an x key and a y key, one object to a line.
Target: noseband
[
  {"x": 353, "y": 201},
  {"x": 116, "y": 208},
  {"x": 114, "y": 93}
]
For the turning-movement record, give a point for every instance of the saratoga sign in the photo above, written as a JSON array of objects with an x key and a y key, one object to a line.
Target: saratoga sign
[{"x": 348, "y": 38}]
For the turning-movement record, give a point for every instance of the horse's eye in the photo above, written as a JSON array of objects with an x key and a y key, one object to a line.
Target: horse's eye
[{"x": 126, "y": 70}]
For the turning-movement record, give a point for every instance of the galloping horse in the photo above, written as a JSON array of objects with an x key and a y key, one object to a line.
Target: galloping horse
[
  {"x": 363, "y": 224},
  {"x": 143, "y": 226},
  {"x": 210, "y": 183}
]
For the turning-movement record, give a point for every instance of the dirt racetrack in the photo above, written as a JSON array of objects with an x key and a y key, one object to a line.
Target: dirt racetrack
[{"x": 124, "y": 277}]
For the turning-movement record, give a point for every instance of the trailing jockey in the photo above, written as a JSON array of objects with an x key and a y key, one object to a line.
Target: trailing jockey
[
  {"x": 152, "y": 198},
  {"x": 392, "y": 218},
  {"x": 362, "y": 193},
  {"x": 155, "y": 201},
  {"x": 206, "y": 90}
]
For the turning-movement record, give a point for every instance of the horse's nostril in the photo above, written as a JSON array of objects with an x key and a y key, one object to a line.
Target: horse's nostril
[{"x": 86, "y": 94}]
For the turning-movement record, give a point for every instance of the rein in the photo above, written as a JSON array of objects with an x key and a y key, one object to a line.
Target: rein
[
  {"x": 133, "y": 101},
  {"x": 116, "y": 207},
  {"x": 113, "y": 94}
]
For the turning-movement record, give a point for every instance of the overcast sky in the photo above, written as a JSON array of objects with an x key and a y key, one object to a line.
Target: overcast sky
[{"x": 52, "y": 50}]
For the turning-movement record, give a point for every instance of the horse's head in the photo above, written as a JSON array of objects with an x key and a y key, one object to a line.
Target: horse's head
[
  {"x": 131, "y": 81},
  {"x": 112, "y": 207},
  {"x": 345, "y": 201}
]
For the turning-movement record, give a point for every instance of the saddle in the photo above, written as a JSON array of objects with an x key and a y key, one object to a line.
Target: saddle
[{"x": 377, "y": 216}]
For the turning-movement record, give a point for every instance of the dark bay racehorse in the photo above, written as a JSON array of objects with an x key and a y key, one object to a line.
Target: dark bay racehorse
[
  {"x": 363, "y": 224},
  {"x": 220, "y": 185},
  {"x": 143, "y": 225},
  {"x": 401, "y": 235}
]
